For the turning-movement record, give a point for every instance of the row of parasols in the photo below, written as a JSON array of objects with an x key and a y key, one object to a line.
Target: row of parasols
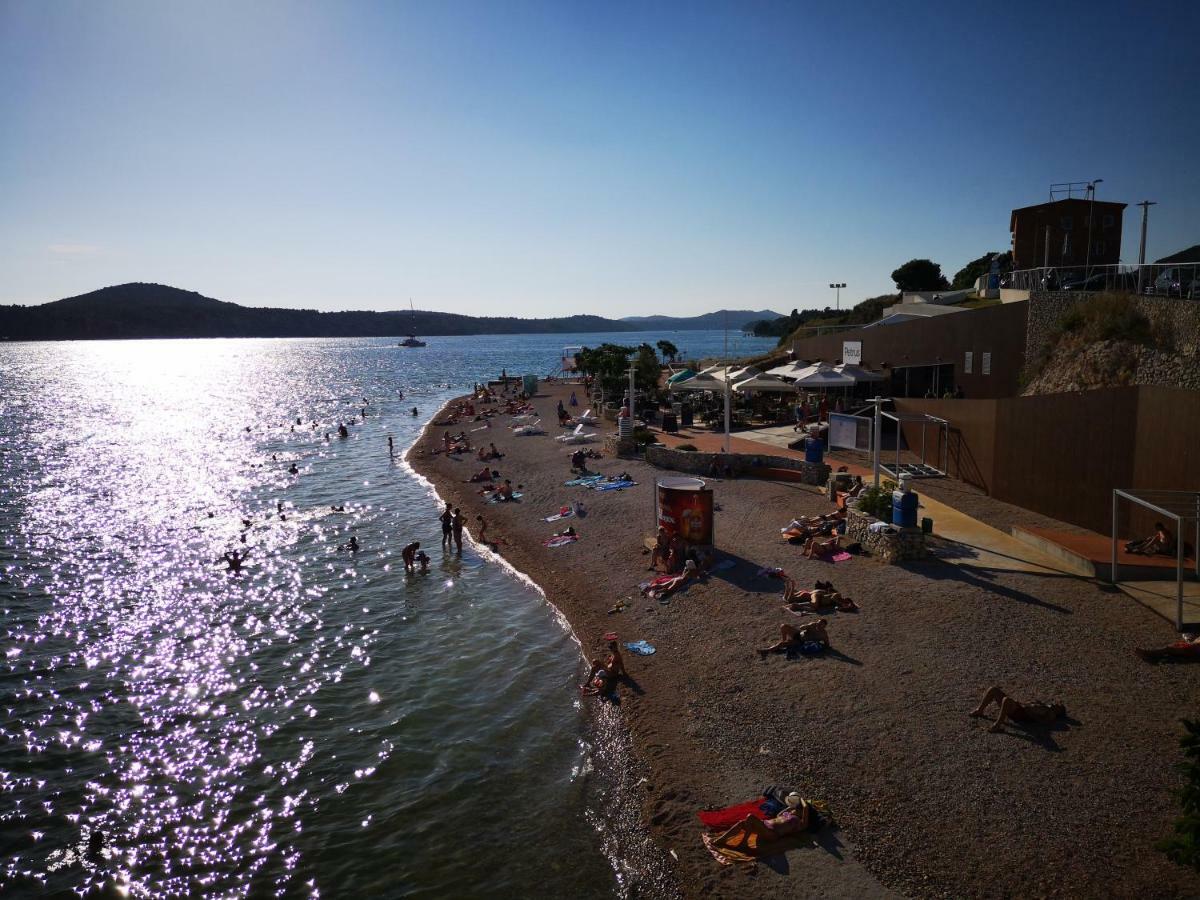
[{"x": 794, "y": 376}]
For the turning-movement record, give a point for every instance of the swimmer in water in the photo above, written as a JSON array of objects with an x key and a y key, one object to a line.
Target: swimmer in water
[
  {"x": 292, "y": 470},
  {"x": 343, "y": 431},
  {"x": 353, "y": 545},
  {"x": 234, "y": 559},
  {"x": 409, "y": 555},
  {"x": 423, "y": 561},
  {"x": 391, "y": 446},
  {"x": 414, "y": 411}
]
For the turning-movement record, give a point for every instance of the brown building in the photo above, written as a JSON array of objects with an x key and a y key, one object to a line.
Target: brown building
[{"x": 1056, "y": 234}]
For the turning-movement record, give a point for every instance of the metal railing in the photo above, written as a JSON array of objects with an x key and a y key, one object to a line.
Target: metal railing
[{"x": 1157, "y": 279}]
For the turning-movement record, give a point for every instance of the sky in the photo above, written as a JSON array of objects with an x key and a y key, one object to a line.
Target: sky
[{"x": 554, "y": 158}]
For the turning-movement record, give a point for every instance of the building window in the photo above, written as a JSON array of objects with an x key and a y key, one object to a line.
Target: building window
[
  {"x": 1110, "y": 220},
  {"x": 1100, "y": 245},
  {"x": 1066, "y": 223}
]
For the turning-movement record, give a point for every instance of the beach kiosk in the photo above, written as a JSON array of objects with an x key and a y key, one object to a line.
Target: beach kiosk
[{"x": 684, "y": 506}]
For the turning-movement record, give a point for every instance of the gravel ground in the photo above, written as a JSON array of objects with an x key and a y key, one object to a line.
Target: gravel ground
[{"x": 928, "y": 802}]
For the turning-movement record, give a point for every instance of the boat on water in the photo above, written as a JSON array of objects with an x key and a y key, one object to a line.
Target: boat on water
[{"x": 412, "y": 340}]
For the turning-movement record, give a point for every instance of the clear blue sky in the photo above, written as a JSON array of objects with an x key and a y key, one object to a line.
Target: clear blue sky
[{"x": 553, "y": 158}]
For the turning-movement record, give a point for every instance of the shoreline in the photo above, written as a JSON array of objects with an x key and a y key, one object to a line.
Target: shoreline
[
  {"x": 640, "y": 868},
  {"x": 711, "y": 724}
]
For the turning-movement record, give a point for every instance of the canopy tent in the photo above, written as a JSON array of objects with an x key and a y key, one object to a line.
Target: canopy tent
[
  {"x": 702, "y": 382},
  {"x": 822, "y": 376},
  {"x": 744, "y": 373},
  {"x": 858, "y": 373},
  {"x": 734, "y": 374},
  {"x": 765, "y": 383},
  {"x": 680, "y": 376},
  {"x": 789, "y": 370}
]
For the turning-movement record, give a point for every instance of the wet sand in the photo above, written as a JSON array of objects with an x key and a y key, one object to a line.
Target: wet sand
[{"x": 928, "y": 802}]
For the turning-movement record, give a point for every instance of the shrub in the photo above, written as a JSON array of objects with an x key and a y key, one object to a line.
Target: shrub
[
  {"x": 643, "y": 436},
  {"x": 877, "y": 501},
  {"x": 687, "y": 448},
  {"x": 1107, "y": 317},
  {"x": 1183, "y": 847}
]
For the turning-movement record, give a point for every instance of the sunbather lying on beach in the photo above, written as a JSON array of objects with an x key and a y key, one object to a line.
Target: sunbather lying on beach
[
  {"x": 485, "y": 474},
  {"x": 752, "y": 836},
  {"x": 1161, "y": 543},
  {"x": 1035, "y": 713},
  {"x": 819, "y": 548},
  {"x": 820, "y": 599},
  {"x": 797, "y": 636},
  {"x": 603, "y": 676},
  {"x": 667, "y": 585},
  {"x": 1184, "y": 648}
]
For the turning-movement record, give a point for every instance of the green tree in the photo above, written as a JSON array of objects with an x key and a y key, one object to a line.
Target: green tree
[
  {"x": 964, "y": 278},
  {"x": 608, "y": 364},
  {"x": 667, "y": 349},
  {"x": 1183, "y": 846},
  {"x": 920, "y": 275},
  {"x": 646, "y": 369}
]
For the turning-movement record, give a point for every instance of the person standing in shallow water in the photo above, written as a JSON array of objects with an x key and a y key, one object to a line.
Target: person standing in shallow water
[
  {"x": 456, "y": 525},
  {"x": 447, "y": 518},
  {"x": 391, "y": 446}
]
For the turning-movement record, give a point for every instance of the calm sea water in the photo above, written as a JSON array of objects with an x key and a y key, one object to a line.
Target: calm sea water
[{"x": 321, "y": 724}]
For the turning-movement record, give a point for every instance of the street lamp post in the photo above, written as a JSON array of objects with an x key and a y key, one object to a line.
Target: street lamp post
[
  {"x": 838, "y": 288},
  {"x": 1087, "y": 269}
]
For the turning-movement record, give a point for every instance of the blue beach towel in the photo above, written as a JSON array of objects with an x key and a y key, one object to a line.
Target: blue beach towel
[
  {"x": 641, "y": 648},
  {"x": 614, "y": 485}
]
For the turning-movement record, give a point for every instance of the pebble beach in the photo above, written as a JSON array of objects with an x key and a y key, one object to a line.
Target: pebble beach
[{"x": 926, "y": 801}]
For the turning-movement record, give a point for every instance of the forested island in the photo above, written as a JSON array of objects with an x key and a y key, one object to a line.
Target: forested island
[{"x": 140, "y": 310}]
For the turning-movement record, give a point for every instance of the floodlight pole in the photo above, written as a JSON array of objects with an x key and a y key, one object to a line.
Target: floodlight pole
[
  {"x": 838, "y": 287},
  {"x": 1145, "y": 205},
  {"x": 727, "y": 397},
  {"x": 1087, "y": 269}
]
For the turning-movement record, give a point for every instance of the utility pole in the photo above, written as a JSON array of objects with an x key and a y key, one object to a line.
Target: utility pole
[
  {"x": 838, "y": 287},
  {"x": 1145, "y": 205}
]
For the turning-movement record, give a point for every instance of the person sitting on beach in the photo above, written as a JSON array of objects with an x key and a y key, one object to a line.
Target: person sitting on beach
[
  {"x": 493, "y": 453},
  {"x": 579, "y": 461},
  {"x": 409, "y": 555},
  {"x": 749, "y": 835},
  {"x": 676, "y": 554},
  {"x": 602, "y": 677},
  {"x": 1035, "y": 713},
  {"x": 796, "y": 636},
  {"x": 662, "y": 548},
  {"x": 1186, "y": 648},
  {"x": 1161, "y": 543},
  {"x": 505, "y": 491},
  {"x": 661, "y": 588},
  {"x": 485, "y": 474}
]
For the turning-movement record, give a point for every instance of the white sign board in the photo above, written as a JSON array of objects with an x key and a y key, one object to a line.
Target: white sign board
[
  {"x": 968, "y": 361},
  {"x": 986, "y": 368},
  {"x": 852, "y": 352}
]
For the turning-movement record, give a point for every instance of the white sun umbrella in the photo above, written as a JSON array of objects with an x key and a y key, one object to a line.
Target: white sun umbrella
[
  {"x": 743, "y": 373},
  {"x": 702, "y": 382},
  {"x": 858, "y": 373},
  {"x": 789, "y": 370},
  {"x": 765, "y": 382},
  {"x": 822, "y": 376}
]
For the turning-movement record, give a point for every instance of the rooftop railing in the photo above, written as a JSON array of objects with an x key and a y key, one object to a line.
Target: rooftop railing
[{"x": 1157, "y": 279}]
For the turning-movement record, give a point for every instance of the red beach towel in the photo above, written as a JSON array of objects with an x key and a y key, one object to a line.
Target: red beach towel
[{"x": 721, "y": 819}]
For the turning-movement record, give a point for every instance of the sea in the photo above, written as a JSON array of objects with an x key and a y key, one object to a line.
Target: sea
[{"x": 320, "y": 724}]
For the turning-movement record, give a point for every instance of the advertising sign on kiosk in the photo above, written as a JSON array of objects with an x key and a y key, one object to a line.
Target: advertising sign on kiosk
[{"x": 684, "y": 506}]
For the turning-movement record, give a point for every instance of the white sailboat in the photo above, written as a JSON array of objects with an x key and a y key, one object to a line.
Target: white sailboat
[{"x": 412, "y": 340}]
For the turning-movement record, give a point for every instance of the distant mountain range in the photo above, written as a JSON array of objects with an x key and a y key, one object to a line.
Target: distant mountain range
[
  {"x": 141, "y": 310},
  {"x": 714, "y": 321}
]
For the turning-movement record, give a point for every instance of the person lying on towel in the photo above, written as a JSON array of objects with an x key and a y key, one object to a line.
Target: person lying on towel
[
  {"x": 665, "y": 586},
  {"x": 821, "y": 547},
  {"x": 1184, "y": 648},
  {"x": 753, "y": 836}
]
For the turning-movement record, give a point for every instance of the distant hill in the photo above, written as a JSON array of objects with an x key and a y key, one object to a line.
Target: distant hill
[
  {"x": 140, "y": 310},
  {"x": 713, "y": 321},
  {"x": 157, "y": 311}
]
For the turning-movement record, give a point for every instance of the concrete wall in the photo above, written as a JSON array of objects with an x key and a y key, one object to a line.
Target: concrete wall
[
  {"x": 999, "y": 330},
  {"x": 1062, "y": 454}
]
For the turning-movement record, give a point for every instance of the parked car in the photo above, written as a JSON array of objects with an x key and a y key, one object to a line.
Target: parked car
[{"x": 1177, "y": 281}]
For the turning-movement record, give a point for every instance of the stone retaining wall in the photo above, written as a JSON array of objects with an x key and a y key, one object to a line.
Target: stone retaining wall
[
  {"x": 695, "y": 462},
  {"x": 905, "y": 544}
]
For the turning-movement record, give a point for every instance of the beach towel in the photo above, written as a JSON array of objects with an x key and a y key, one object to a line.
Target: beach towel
[
  {"x": 495, "y": 498},
  {"x": 771, "y": 572},
  {"x": 560, "y": 540},
  {"x": 840, "y": 557},
  {"x": 641, "y": 648},
  {"x": 584, "y": 480},
  {"x": 565, "y": 513},
  {"x": 614, "y": 485},
  {"x": 721, "y": 819}
]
